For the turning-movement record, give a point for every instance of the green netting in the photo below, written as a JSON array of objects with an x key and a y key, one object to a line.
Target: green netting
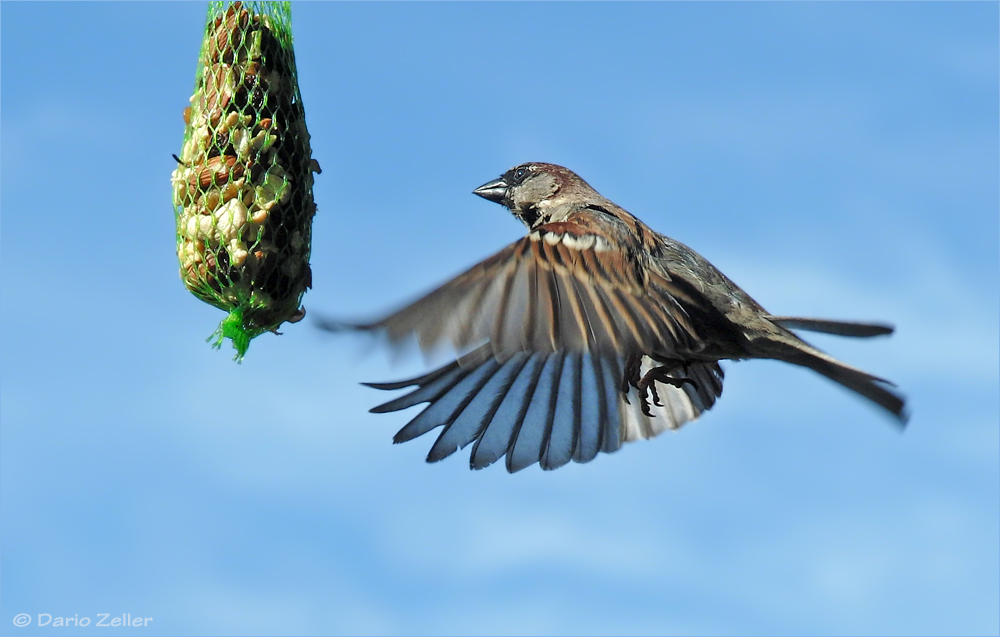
[{"x": 242, "y": 190}]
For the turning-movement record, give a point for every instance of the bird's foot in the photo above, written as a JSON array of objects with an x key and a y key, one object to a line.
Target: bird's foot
[{"x": 646, "y": 384}]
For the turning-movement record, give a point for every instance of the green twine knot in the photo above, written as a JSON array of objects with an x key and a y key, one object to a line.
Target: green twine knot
[{"x": 233, "y": 328}]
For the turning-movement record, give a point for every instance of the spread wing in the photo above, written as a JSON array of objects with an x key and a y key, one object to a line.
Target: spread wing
[
  {"x": 561, "y": 288},
  {"x": 546, "y": 328},
  {"x": 544, "y": 408}
]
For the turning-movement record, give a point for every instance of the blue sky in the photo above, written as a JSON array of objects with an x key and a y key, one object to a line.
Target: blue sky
[{"x": 835, "y": 160}]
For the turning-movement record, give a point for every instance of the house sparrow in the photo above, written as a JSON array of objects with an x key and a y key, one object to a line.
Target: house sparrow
[{"x": 591, "y": 331}]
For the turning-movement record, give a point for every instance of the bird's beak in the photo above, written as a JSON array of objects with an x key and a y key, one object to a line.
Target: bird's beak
[{"x": 495, "y": 191}]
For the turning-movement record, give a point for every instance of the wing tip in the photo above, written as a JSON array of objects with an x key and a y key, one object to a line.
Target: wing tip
[
  {"x": 902, "y": 418},
  {"x": 400, "y": 384},
  {"x": 335, "y": 325}
]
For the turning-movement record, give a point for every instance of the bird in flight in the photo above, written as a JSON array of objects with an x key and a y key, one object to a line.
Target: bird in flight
[{"x": 591, "y": 331}]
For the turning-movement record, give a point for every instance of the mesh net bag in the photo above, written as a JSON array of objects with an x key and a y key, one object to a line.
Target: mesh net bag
[{"x": 242, "y": 190}]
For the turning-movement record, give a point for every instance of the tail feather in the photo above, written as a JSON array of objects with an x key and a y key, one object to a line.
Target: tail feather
[
  {"x": 871, "y": 387},
  {"x": 840, "y": 328}
]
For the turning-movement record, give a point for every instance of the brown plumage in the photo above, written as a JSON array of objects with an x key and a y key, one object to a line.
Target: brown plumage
[{"x": 591, "y": 331}]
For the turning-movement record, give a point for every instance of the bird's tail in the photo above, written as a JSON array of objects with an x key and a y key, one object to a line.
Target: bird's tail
[
  {"x": 790, "y": 349},
  {"x": 840, "y": 328}
]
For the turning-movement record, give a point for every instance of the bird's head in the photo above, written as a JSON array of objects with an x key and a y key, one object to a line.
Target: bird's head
[{"x": 538, "y": 193}]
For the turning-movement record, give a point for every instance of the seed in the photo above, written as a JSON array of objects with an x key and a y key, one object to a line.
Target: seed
[
  {"x": 266, "y": 204},
  {"x": 205, "y": 227},
  {"x": 219, "y": 169},
  {"x": 190, "y": 228},
  {"x": 202, "y": 134},
  {"x": 180, "y": 184},
  {"x": 262, "y": 140},
  {"x": 211, "y": 200},
  {"x": 230, "y": 191},
  {"x": 231, "y": 120},
  {"x": 241, "y": 141},
  {"x": 230, "y": 219},
  {"x": 237, "y": 252}
]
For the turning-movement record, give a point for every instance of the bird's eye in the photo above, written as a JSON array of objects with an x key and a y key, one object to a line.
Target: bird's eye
[{"x": 519, "y": 174}]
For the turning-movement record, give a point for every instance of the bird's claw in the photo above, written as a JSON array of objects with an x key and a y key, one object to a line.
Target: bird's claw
[{"x": 646, "y": 384}]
